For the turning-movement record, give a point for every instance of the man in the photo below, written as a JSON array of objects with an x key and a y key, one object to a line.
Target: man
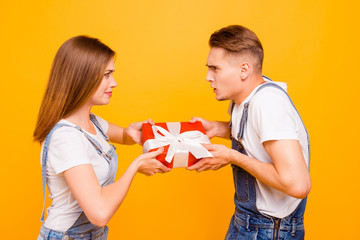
[{"x": 270, "y": 145}]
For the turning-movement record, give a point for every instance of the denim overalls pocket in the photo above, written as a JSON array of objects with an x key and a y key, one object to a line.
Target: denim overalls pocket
[{"x": 241, "y": 182}]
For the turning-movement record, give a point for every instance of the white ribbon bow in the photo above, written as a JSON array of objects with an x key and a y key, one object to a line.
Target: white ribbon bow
[{"x": 187, "y": 141}]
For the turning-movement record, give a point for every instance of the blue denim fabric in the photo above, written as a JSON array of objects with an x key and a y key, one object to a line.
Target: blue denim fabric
[
  {"x": 247, "y": 222},
  {"x": 244, "y": 226},
  {"x": 95, "y": 234},
  {"x": 82, "y": 228}
]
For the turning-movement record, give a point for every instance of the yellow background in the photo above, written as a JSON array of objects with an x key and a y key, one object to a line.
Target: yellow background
[{"x": 160, "y": 69}]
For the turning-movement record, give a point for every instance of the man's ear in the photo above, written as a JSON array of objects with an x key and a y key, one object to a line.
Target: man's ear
[{"x": 244, "y": 70}]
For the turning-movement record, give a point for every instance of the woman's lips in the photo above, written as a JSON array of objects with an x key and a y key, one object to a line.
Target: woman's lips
[{"x": 109, "y": 94}]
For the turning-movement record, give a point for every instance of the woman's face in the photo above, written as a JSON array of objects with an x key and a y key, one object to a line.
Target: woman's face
[{"x": 104, "y": 92}]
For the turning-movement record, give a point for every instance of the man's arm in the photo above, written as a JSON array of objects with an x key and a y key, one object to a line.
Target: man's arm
[
  {"x": 288, "y": 173},
  {"x": 292, "y": 173}
]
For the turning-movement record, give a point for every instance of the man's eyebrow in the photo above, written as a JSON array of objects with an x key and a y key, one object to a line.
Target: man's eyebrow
[{"x": 209, "y": 65}]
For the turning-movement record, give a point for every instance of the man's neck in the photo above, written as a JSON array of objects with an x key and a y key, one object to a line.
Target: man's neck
[{"x": 249, "y": 85}]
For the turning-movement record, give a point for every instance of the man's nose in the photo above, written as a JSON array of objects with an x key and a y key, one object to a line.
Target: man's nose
[{"x": 209, "y": 76}]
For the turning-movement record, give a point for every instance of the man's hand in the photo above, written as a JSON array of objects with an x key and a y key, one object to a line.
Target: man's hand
[
  {"x": 213, "y": 128},
  {"x": 222, "y": 157},
  {"x": 208, "y": 126}
]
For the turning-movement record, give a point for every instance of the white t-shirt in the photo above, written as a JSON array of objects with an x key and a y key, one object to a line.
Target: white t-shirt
[
  {"x": 69, "y": 148},
  {"x": 271, "y": 116}
]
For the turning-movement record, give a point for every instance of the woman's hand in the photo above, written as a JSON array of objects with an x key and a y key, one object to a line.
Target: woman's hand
[
  {"x": 148, "y": 165},
  {"x": 132, "y": 134},
  {"x": 100, "y": 203}
]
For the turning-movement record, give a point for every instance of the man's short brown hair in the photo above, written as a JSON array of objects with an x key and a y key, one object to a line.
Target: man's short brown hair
[{"x": 238, "y": 40}]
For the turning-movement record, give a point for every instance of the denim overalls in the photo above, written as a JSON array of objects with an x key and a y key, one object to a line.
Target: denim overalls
[
  {"x": 82, "y": 228},
  {"x": 247, "y": 222}
]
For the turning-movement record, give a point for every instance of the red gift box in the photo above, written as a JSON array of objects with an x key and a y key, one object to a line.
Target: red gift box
[{"x": 183, "y": 138}]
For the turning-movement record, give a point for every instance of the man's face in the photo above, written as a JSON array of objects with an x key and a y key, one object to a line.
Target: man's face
[{"x": 223, "y": 74}]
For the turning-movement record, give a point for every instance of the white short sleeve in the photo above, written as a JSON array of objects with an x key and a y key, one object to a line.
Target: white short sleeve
[
  {"x": 68, "y": 149},
  {"x": 273, "y": 116}
]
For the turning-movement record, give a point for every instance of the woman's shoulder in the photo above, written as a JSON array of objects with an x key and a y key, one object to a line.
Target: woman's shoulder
[
  {"x": 68, "y": 147},
  {"x": 67, "y": 134}
]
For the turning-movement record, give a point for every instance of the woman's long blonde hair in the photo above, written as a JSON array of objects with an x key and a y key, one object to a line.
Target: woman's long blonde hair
[{"x": 77, "y": 71}]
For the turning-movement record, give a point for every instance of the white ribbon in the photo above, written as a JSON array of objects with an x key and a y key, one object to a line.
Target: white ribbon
[{"x": 189, "y": 141}]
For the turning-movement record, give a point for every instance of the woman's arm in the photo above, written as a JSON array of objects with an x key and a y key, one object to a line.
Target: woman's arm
[
  {"x": 117, "y": 134},
  {"x": 100, "y": 204},
  {"x": 129, "y": 135}
]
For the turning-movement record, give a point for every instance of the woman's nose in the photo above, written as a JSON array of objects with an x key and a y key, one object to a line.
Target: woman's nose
[{"x": 113, "y": 83}]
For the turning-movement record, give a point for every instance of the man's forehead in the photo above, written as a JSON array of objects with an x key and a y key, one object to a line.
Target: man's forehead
[
  {"x": 215, "y": 54},
  {"x": 217, "y": 51},
  {"x": 219, "y": 55}
]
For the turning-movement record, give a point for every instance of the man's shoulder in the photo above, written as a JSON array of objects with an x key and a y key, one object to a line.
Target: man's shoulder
[{"x": 268, "y": 96}]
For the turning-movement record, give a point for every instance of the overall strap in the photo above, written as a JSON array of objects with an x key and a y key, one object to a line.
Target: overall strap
[
  {"x": 44, "y": 161},
  {"x": 96, "y": 145},
  {"x": 97, "y": 125},
  {"x": 270, "y": 84},
  {"x": 243, "y": 121},
  {"x": 246, "y": 105},
  {"x": 232, "y": 108},
  {"x": 238, "y": 172},
  {"x": 246, "y": 109},
  {"x": 233, "y": 105}
]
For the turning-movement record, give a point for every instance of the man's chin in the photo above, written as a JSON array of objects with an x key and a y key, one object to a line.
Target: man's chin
[{"x": 219, "y": 98}]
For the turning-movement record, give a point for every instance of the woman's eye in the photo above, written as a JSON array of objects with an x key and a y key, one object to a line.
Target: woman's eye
[{"x": 107, "y": 74}]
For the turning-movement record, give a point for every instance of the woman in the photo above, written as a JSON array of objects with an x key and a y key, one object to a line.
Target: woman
[{"x": 78, "y": 161}]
